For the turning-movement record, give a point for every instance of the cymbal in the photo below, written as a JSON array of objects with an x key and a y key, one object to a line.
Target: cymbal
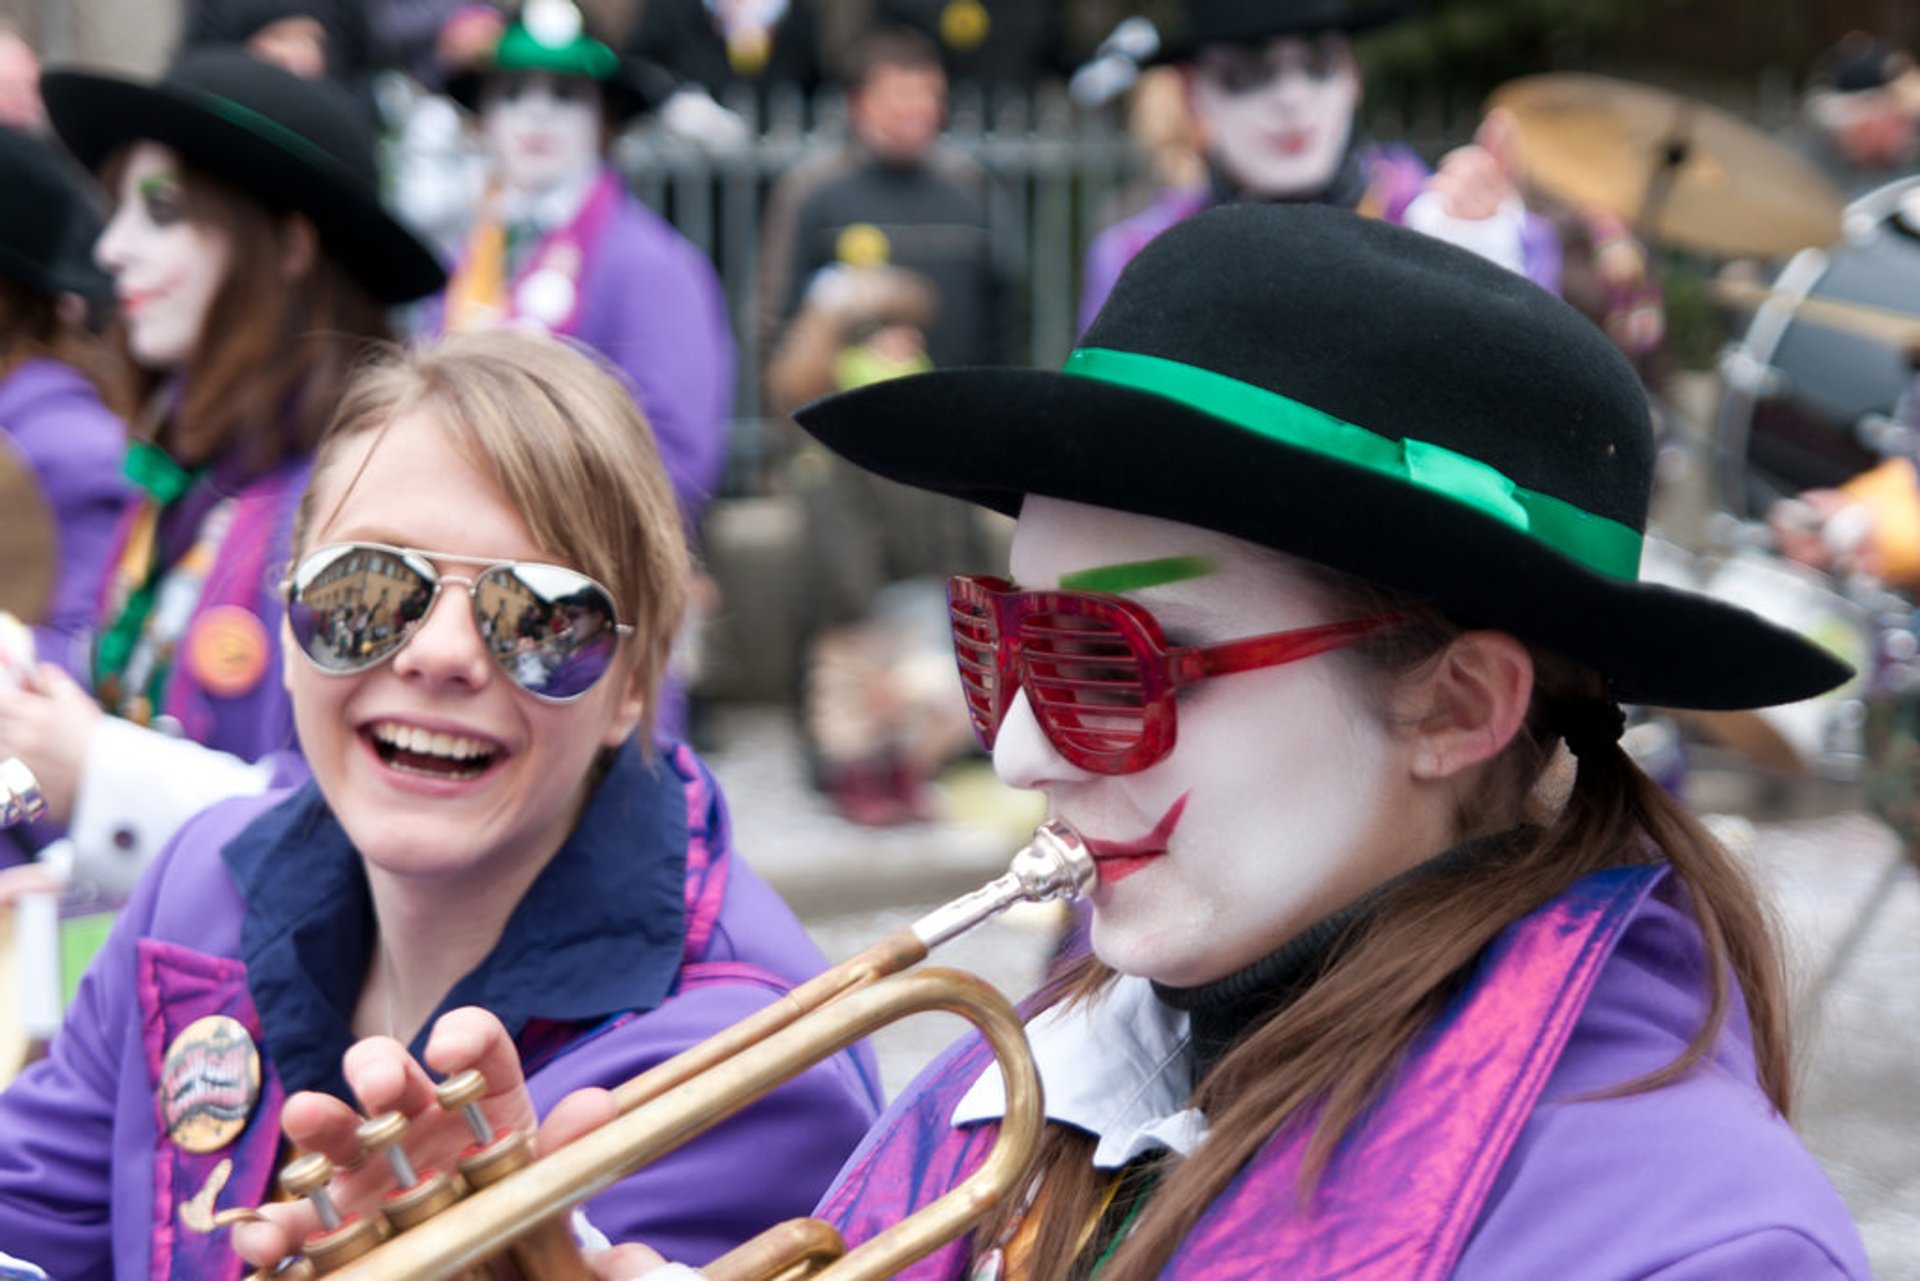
[
  {"x": 27, "y": 547},
  {"x": 1681, "y": 172},
  {"x": 1880, "y": 324}
]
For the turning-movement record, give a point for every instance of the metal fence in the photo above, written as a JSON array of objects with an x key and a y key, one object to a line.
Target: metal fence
[{"x": 1058, "y": 174}]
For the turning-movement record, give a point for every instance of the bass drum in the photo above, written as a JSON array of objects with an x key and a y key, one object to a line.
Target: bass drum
[{"x": 1803, "y": 399}]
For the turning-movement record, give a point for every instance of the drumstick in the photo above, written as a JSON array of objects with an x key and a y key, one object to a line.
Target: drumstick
[{"x": 1879, "y": 324}]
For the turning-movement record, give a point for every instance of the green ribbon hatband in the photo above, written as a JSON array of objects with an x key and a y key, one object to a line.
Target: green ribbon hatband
[{"x": 1597, "y": 542}]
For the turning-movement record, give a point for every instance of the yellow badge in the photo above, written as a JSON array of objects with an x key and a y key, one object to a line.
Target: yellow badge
[
  {"x": 209, "y": 1084},
  {"x": 227, "y": 651},
  {"x": 862, "y": 244},
  {"x": 963, "y": 25},
  {"x": 749, "y": 51}
]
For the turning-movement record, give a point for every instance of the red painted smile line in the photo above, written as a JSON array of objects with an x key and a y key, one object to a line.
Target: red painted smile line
[{"x": 1117, "y": 860}]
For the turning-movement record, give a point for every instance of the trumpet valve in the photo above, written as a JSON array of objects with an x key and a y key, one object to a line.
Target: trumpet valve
[
  {"x": 417, "y": 1197},
  {"x": 342, "y": 1238},
  {"x": 462, "y": 1093}
]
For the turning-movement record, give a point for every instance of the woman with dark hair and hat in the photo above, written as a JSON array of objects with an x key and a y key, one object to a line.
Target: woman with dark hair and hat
[
  {"x": 1320, "y": 617},
  {"x": 57, "y": 381},
  {"x": 561, "y": 245},
  {"x": 253, "y": 263},
  {"x": 1274, "y": 89}
]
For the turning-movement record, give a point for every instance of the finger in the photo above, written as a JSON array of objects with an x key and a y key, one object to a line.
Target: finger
[
  {"x": 471, "y": 1037},
  {"x": 580, "y": 1113},
  {"x": 278, "y": 1233},
  {"x": 623, "y": 1263},
  {"x": 385, "y": 1078},
  {"x": 1499, "y": 136},
  {"x": 320, "y": 1123}
]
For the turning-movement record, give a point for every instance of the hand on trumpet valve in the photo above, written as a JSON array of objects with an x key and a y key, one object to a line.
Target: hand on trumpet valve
[{"x": 386, "y": 1079}]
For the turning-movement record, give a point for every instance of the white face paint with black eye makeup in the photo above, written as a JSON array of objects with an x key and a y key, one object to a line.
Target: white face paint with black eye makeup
[
  {"x": 166, "y": 267},
  {"x": 1279, "y": 117},
  {"x": 542, "y": 130},
  {"x": 1286, "y": 794}
]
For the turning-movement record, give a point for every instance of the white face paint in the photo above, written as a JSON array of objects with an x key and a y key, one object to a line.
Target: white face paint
[
  {"x": 1278, "y": 118},
  {"x": 1285, "y": 797},
  {"x": 542, "y": 130},
  {"x": 166, "y": 267}
]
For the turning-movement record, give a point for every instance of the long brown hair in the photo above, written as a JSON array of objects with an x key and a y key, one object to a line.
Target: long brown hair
[
  {"x": 1337, "y": 1046},
  {"x": 264, "y": 375}
]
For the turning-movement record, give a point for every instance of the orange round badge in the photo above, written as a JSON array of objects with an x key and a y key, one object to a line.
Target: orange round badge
[{"x": 227, "y": 651}]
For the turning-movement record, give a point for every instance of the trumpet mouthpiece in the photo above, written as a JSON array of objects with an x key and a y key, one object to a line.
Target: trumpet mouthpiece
[{"x": 1055, "y": 865}]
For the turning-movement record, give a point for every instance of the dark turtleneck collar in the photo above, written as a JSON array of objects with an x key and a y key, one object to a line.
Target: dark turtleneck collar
[
  {"x": 1223, "y": 1011},
  {"x": 1346, "y": 189}
]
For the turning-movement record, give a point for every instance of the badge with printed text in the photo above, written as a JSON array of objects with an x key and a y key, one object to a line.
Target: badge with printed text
[
  {"x": 226, "y": 651},
  {"x": 963, "y": 25},
  {"x": 209, "y": 1084}
]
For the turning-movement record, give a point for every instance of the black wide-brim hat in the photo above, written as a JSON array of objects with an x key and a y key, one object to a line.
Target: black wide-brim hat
[
  {"x": 41, "y": 211},
  {"x": 289, "y": 142},
  {"x": 1363, "y": 396},
  {"x": 1207, "y": 22}
]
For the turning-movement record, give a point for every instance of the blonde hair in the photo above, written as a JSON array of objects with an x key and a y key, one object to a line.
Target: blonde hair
[
  {"x": 568, "y": 446},
  {"x": 1337, "y": 1045}
]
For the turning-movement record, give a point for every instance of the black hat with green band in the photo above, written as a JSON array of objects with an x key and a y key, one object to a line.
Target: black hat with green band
[
  {"x": 552, "y": 36},
  {"x": 291, "y": 143},
  {"x": 1363, "y": 396}
]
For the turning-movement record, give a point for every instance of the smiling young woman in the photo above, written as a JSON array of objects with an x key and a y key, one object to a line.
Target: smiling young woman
[{"x": 472, "y": 671}]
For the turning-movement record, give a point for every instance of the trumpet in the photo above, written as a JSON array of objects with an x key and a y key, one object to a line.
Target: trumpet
[
  {"x": 20, "y": 797},
  {"x": 519, "y": 1215}
]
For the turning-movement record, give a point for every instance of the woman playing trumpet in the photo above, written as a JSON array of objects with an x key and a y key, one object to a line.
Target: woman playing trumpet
[
  {"x": 1324, "y": 591},
  {"x": 488, "y": 571}
]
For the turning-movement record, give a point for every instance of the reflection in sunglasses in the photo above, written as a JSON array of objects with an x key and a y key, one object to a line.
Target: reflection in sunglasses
[{"x": 551, "y": 629}]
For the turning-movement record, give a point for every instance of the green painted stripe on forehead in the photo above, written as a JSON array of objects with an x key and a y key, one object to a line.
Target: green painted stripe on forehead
[
  {"x": 1601, "y": 544},
  {"x": 1134, "y": 575}
]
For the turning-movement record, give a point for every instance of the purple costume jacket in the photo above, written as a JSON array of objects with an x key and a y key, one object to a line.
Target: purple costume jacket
[
  {"x": 1394, "y": 177},
  {"x": 53, "y": 419},
  {"x": 649, "y": 301},
  {"x": 643, "y": 935},
  {"x": 1487, "y": 1157}
]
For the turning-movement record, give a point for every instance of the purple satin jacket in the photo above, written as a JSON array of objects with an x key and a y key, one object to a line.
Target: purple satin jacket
[
  {"x": 643, "y": 935},
  {"x": 1488, "y": 1157}
]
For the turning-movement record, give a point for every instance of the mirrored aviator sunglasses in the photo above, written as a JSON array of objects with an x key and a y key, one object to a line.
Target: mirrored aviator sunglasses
[
  {"x": 1099, "y": 674},
  {"x": 552, "y": 630}
]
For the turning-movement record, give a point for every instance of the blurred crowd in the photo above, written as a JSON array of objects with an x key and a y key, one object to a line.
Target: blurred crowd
[{"x": 880, "y": 251}]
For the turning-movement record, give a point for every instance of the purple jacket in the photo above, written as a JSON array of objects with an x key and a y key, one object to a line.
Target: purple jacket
[
  {"x": 1489, "y": 1156},
  {"x": 1395, "y": 176},
  {"x": 54, "y": 419},
  {"x": 643, "y": 936},
  {"x": 650, "y": 302}
]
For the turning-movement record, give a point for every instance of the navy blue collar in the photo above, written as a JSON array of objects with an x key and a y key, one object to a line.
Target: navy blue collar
[{"x": 599, "y": 932}]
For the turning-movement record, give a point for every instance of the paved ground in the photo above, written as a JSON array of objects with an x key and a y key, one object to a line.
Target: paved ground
[{"x": 1858, "y": 1005}]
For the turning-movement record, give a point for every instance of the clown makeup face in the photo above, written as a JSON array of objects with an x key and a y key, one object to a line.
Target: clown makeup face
[
  {"x": 1278, "y": 116},
  {"x": 443, "y": 771},
  {"x": 542, "y": 130},
  {"x": 1287, "y": 793},
  {"x": 166, "y": 267}
]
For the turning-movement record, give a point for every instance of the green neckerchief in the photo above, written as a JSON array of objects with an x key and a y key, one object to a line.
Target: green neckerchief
[{"x": 164, "y": 482}]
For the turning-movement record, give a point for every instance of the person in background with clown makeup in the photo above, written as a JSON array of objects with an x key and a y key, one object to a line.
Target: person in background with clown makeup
[
  {"x": 487, "y": 823},
  {"x": 253, "y": 262},
  {"x": 562, "y": 246},
  {"x": 1400, "y": 966},
  {"x": 1275, "y": 91}
]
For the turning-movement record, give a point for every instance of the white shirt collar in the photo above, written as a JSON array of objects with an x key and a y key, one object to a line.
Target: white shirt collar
[{"x": 1115, "y": 1067}]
